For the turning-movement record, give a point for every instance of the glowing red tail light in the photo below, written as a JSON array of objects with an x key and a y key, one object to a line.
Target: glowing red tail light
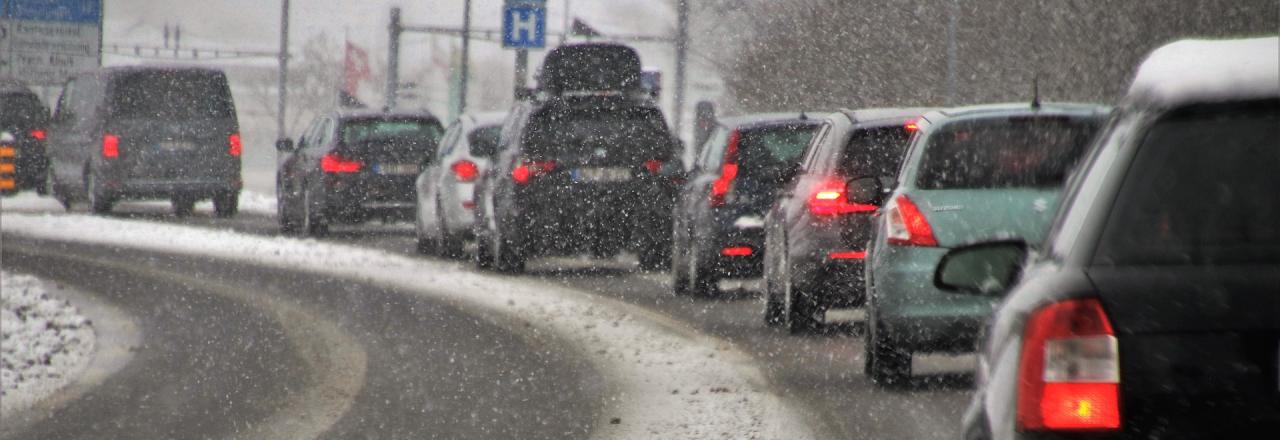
[
  {"x": 737, "y": 251},
  {"x": 912, "y": 126},
  {"x": 110, "y": 146},
  {"x": 234, "y": 147},
  {"x": 527, "y": 170},
  {"x": 465, "y": 170},
  {"x": 38, "y": 134},
  {"x": 1069, "y": 370},
  {"x": 654, "y": 166},
  {"x": 847, "y": 255},
  {"x": 728, "y": 172},
  {"x": 334, "y": 164},
  {"x": 830, "y": 198},
  {"x": 906, "y": 225}
]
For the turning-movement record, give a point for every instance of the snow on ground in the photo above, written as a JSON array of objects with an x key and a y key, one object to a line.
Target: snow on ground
[
  {"x": 46, "y": 342},
  {"x": 672, "y": 381},
  {"x": 251, "y": 202}
]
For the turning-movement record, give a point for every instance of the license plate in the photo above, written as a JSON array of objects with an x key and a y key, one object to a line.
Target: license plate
[
  {"x": 602, "y": 174},
  {"x": 177, "y": 145},
  {"x": 396, "y": 169}
]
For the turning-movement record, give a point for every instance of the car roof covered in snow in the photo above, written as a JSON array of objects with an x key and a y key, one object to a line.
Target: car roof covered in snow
[
  {"x": 872, "y": 116},
  {"x": 1205, "y": 71}
]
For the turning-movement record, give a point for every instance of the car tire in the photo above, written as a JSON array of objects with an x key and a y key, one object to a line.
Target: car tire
[
  {"x": 446, "y": 245},
  {"x": 506, "y": 258},
  {"x": 773, "y": 308},
  {"x": 702, "y": 282},
  {"x": 183, "y": 205},
  {"x": 288, "y": 224},
  {"x": 799, "y": 313},
  {"x": 226, "y": 204},
  {"x": 52, "y": 187},
  {"x": 313, "y": 223},
  {"x": 884, "y": 364},
  {"x": 99, "y": 203},
  {"x": 679, "y": 279},
  {"x": 484, "y": 260},
  {"x": 43, "y": 186}
]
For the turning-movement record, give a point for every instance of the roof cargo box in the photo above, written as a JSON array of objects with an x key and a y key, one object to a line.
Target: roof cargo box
[{"x": 590, "y": 67}]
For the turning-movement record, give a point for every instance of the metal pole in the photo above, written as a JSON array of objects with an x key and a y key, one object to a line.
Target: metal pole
[
  {"x": 522, "y": 72},
  {"x": 952, "y": 56},
  {"x": 682, "y": 48},
  {"x": 564, "y": 31},
  {"x": 466, "y": 60},
  {"x": 393, "y": 58},
  {"x": 282, "y": 86}
]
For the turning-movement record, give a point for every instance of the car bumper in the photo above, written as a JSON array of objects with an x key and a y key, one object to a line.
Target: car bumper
[
  {"x": 153, "y": 189},
  {"x": 917, "y": 315}
]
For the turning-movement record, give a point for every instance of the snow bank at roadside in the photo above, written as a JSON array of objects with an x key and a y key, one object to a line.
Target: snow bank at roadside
[
  {"x": 46, "y": 342},
  {"x": 672, "y": 381},
  {"x": 251, "y": 202}
]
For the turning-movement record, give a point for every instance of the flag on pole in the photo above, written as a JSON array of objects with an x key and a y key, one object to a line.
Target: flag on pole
[{"x": 355, "y": 70}]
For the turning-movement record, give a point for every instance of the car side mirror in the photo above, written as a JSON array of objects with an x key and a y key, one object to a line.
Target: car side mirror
[
  {"x": 284, "y": 145},
  {"x": 984, "y": 269},
  {"x": 865, "y": 190}
]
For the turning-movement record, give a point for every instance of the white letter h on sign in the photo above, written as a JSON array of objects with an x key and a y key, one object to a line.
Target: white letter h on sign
[{"x": 524, "y": 26}]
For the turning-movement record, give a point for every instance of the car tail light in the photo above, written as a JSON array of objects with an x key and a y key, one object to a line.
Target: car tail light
[
  {"x": 234, "y": 147},
  {"x": 830, "y": 198},
  {"x": 737, "y": 251},
  {"x": 110, "y": 146},
  {"x": 1069, "y": 372},
  {"x": 728, "y": 172},
  {"x": 912, "y": 126},
  {"x": 654, "y": 166},
  {"x": 465, "y": 170},
  {"x": 847, "y": 255},
  {"x": 527, "y": 170},
  {"x": 906, "y": 225},
  {"x": 38, "y": 134},
  {"x": 334, "y": 164}
]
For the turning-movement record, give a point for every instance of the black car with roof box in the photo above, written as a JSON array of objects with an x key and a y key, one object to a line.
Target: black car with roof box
[
  {"x": 583, "y": 166},
  {"x": 146, "y": 132},
  {"x": 350, "y": 166},
  {"x": 25, "y": 118}
]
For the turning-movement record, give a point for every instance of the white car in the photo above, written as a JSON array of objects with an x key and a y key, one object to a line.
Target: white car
[{"x": 445, "y": 187}]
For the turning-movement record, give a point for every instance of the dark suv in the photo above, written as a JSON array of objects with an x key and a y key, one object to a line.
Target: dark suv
[
  {"x": 27, "y": 120},
  {"x": 146, "y": 132},
  {"x": 718, "y": 224},
  {"x": 818, "y": 229},
  {"x": 582, "y": 167},
  {"x": 352, "y": 166}
]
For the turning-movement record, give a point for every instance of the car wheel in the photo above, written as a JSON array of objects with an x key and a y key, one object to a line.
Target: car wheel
[
  {"x": 226, "y": 204},
  {"x": 799, "y": 313},
  {"x": 99, "y": 203},
  {"x": 654, "y": 255},
  {"x": 773, "y": 307},
  {"x": 701, "y": 281},
  {"x": 505, "y": 257},
  {"x": 43, "y": 187},
  {"x": 313, "y": 223},
  {"x": 288, "y": 224},
  {"x": 885, "y": 364},
  {"x": 52, "y": 187},
  {"x": 182, "y": 205},
  {"x": 447, "y": 245},
  {"x": 483, "y": 259}
]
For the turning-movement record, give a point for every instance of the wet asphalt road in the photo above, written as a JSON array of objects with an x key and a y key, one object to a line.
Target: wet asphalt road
[
  {"x": 211, "y": 365},
  {"x": 822, "y": 371}
]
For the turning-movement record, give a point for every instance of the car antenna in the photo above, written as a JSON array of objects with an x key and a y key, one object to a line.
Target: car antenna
[
  {"x": 1035, "y": 92},
  {"x": 803, "y": 116}
]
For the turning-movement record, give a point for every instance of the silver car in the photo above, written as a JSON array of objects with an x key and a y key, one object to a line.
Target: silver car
[{"x": 445, "y": 186}]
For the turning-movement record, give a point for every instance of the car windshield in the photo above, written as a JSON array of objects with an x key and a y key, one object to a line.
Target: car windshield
[
  {"x": 1202, "y": 191},
  {"x": 766, "y": 153},
  {"x": 171, "y": 94},
  {"x": 407, "y": 131},
  {"x": 875, "y": 152},
  {"x": 1005, "y": 152},
  {"x": 21, "y": 110},
  {"x": 485, "y": 140}
]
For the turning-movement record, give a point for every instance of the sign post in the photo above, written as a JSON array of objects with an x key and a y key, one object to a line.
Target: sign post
[
  {"x": 524, "y": 27},
  {"x": 43, "y": 42}
]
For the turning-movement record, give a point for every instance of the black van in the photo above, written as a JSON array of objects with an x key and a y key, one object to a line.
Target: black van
[
  {"x": 24, "y": 117},
  {"x": 146, "y": 133},
  {"x": 584, "y": 167}
]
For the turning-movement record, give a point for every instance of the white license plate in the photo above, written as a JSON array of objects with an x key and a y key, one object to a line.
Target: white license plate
[
  {"x": 396, "y": 169},
  {"x": 177, "y": 145},
  {"x": 602, "y": 174}
]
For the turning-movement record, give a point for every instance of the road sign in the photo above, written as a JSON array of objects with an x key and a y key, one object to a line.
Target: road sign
[
  {"x": 524, "y": 24},
  {"x": 44, "y": 41}
]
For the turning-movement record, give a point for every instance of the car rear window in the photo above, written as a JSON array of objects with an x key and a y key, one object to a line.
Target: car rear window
[
  {"x": 1202, "y": 190},
  {"x": 874, "y": 152},
  {"x": 21, "y": 110},
  {"x": 171, "y": 95},
  {"x": 484, "y": 140},
  {"x": 1006, "y": 152},
  {"x": 630, "y": 132},
  {"x": 768, "y": 152},
  {"x": 419, "y": 135}
]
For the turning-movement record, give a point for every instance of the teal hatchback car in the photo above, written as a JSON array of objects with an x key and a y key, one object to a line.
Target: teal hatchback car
[{"x": 970, "y": 174}]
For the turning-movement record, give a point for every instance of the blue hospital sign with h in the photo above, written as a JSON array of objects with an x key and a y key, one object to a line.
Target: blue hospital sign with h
[{"x": 524, "y": 26}]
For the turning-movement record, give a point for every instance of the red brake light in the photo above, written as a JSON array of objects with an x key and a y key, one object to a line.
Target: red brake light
[
  {"x": 736, "y": 251},
  {"x": 728, "y": 171},
  {"x": 527, "y": 170},
  {"x": 110, "y": 146},
  {"x": 234, "y": 147},
  {"x": 1069, "y": 370},
  {"x": 847, "y": 255},
  {"x": 335, "y": 164},
  {"x": 653, "y": 165},
  {"x": 830, "y": 199},
  {"x": 912, "y": 126},
  {"x": 38, "y": 134},
  {"x": 906, "y": 225},
  {"x": 465, "y": 170}
]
